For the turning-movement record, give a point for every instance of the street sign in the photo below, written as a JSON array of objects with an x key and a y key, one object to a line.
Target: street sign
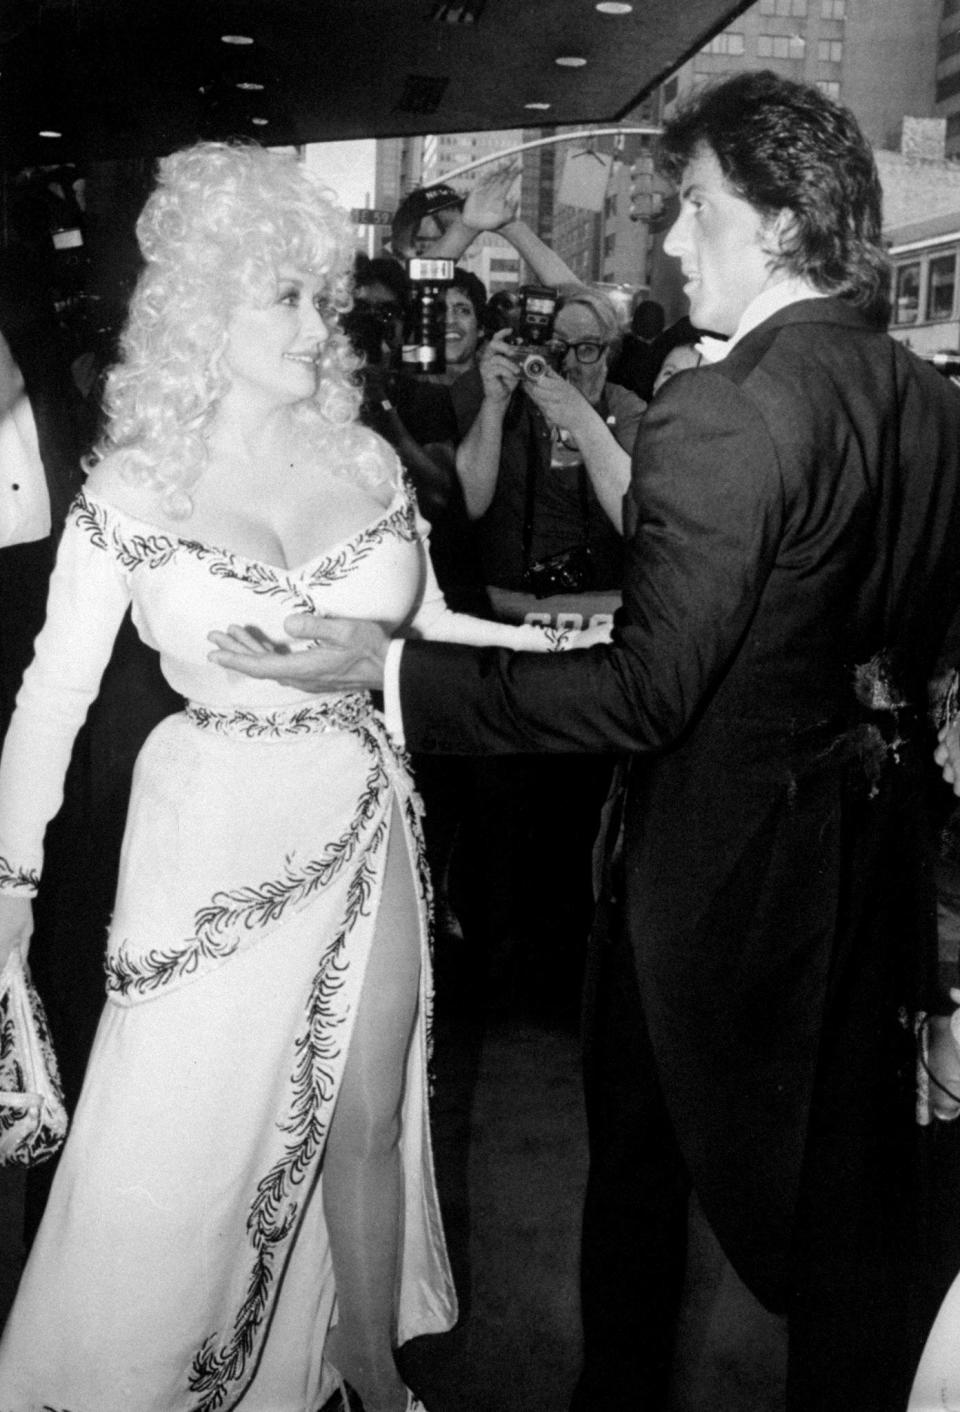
[{"x": 365, "y": 216}]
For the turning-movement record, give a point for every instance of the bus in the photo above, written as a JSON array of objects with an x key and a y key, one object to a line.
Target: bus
[{"x": 924, "y": 290}]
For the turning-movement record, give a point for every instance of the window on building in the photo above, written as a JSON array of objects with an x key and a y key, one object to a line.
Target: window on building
[
  {"x": 498, "y": 266},
  {"x": 906, "y": 294},
  {"x": 941, "y": 284},
  {"x": 725, "y": 44},
  {"x": 948, "y": 87},
  {"x": 670, "y": 90},
  {"x": 833, "y": 9},
  {"x": 779, "y": 46},
  {"x": 830, "y": 51},
  {"x": 830, "y": 87},
  {"x": 785, "y": 9},
  {"x": 949, "y": 44}
]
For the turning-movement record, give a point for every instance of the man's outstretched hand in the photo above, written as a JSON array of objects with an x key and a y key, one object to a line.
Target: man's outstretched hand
[{"x": 344, "y": 654}]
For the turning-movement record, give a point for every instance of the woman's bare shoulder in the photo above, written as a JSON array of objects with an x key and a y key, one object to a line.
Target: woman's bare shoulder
[{"x": 114, "y": 481}]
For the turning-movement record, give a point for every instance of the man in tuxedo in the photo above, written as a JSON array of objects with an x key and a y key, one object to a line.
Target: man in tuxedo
[
  {"x": 791, "y": 542},
  {"x": 41, "y": 443}
]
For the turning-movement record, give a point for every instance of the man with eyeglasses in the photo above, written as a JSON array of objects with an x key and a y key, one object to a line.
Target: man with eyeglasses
[{"x": 544, "y": 464}]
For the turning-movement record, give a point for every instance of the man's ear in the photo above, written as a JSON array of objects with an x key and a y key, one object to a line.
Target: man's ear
[{"x": 780, "y": 231}]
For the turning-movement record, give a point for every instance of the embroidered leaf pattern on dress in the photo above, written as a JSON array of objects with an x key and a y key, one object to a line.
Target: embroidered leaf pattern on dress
[
  {"x": 274, "y": 1211},
  {"x": 152, "y": 551},
  {"x": 131, "y": 551},
  {"x": 220, "y": 924},
  {"x": 341, "y": 713},
  {"x": 339, "y": 565},
  {"x": 13, "y": 877}
]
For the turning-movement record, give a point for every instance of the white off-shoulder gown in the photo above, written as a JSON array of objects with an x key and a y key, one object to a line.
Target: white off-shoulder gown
[{"x": 183, "y": 1263}]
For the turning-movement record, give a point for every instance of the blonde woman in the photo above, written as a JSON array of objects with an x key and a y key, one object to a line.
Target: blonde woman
[{"x": 245, "y": 1210}]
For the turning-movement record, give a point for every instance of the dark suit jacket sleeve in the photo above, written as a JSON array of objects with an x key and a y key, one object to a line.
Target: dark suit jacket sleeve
[{"x": 703, "y": 518}]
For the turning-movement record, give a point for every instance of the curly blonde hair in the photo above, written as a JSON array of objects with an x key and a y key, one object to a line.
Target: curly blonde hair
[{"x": 223, "y": 220}]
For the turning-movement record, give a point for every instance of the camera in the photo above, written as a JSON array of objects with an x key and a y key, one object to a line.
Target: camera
[
  {"x": 570, "y": 571},
  {"x": 425, "y": 317},
  {"x": 529, "y": 345}
]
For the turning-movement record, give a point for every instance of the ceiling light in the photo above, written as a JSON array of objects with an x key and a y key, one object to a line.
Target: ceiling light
[
  {"x": 539, "y": 107},
  {"x": 570, "y": 61},
  {"x": 236, "y": 39},
  {"x": 259, "y": 122},
  {"x": 614, "y": 7},
  {"x": 48, "y": 132},
  {"x": 250, "y": 87}
]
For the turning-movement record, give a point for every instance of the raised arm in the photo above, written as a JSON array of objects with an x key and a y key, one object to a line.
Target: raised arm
[
  {"x": 492, "y": 205},
  {"x": 478, "y": 455},
  {"x": 607, "y": 463}
]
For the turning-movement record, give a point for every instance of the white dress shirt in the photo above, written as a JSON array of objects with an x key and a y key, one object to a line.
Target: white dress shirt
[
  {"x": 786, "y": 291},
  {"x": 24, "y": 498}
]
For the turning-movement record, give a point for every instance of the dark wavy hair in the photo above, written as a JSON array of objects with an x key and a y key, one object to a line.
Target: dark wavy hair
[
  {"x": 473, "y": 287},
  {"x": 786, "y": 146}
]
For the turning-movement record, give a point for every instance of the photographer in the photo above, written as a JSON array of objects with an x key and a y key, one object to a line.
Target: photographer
[
  {"x": 437, "y": 222},
  {"x": 544, "y": 463},
  {"x": 416, "y": 416},
  {"x": 409, "y": 412},
  {"x": 465, "y": 300}
]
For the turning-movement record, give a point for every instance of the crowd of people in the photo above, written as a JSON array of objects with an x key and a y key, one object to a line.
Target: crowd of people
[{"x": 655, "y": 622}]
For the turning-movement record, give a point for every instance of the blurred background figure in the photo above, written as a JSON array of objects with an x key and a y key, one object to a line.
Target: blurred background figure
[
  {"x": 678, "y": 360},
  {"x": 503, "y": 310},
  {"x": 635, "y": 365}
]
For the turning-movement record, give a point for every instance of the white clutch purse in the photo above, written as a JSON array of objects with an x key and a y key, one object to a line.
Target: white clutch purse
[{"x": 33, "y": 1120}]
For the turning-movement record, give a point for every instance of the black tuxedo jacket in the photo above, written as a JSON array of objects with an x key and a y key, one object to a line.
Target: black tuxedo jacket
[{"x": 792, "y": 562}]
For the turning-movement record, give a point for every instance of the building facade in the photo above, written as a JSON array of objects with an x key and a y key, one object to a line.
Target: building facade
[
  {"x": 947, "y": 94},
  {"x": 879, "y": 57},
  {"x": 888, "y": 60}
]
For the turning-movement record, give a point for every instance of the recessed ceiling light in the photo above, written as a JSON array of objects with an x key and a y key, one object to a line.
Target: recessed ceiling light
[
  {"x": 48, "y": 132},
  {"x": 614, "y": 7},
  {"x": 249, "y": 87},
  {"x": 570, "y": 61},
  {"x": 236, "y": 39},
  {"x": 540, "y": 107}
]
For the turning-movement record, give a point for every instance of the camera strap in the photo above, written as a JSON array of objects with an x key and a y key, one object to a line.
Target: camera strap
[{"x": 534, "y": 458}]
